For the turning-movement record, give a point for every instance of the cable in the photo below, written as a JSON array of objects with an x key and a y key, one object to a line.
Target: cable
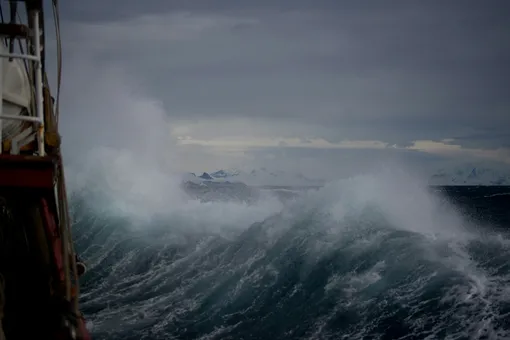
[
  {"x": 63, "y": 192},
  {"x": 59, "y": 59},
  {"x": 3, "y": 21}
]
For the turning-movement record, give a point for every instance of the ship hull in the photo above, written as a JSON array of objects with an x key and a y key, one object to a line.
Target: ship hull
[{"x": 32, "y": 264}]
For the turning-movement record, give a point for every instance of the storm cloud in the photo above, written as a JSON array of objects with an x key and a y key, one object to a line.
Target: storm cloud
[{"x": 396, "y": 72}]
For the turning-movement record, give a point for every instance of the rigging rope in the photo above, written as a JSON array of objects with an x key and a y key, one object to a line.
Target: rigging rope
[
  {"x": 68, "y": 245},
  {"x": 59, "y": 58},
  {"x": 2, "y": 18}
]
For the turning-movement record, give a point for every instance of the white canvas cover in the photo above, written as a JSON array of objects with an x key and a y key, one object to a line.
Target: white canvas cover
[{"x": 16, "y": 93}]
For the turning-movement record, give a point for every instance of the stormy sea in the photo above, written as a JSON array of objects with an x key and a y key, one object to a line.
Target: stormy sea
[{"x": 368, "y": 257}]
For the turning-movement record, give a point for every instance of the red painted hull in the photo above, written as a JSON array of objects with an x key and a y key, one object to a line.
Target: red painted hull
[{"x": 33, "y": 179}]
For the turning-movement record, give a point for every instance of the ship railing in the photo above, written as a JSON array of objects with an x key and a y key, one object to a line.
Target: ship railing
[{"x": 20, "y": 31}]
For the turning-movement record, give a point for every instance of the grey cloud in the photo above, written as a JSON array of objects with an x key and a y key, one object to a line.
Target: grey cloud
[
  {"x": 95, "y": 10},
  {"x": 394, "y": 70},
  {"x": 343, "y": 163},
  {"x": 486, "y": 138}
]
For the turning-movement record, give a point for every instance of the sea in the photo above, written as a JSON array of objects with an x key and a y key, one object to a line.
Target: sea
[{"x": 369, "y": 257}]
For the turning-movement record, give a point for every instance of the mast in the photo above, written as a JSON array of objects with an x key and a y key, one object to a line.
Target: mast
[{"x": 32, "y": 184}]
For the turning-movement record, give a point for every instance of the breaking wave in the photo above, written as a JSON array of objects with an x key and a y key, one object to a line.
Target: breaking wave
[
  {"x": 378, "y": 256},
  {"x": 368, "y": 257}
]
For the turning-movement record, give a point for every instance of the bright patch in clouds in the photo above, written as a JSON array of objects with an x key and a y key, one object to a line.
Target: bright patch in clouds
[
  {"x": 447, "y": 149},
  {"x": 443, "y": 148},
  {"x": 240, "y": 143}
]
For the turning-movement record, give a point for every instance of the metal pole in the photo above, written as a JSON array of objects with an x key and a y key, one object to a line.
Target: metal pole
[
  {"x": 18, "y": 56},
  {"x": 38, "y": 83},
  {"x": 22, "y": 118}
]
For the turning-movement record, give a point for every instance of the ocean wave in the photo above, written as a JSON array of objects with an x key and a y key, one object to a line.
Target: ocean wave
[{"x": 371, "y": 256}]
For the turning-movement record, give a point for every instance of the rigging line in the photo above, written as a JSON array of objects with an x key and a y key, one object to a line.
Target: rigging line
[
  {"x": 69, "y": 246},
  {"x": 59, "y": 59},
  {"x": 13, "y": 12},
  {"x": 69, "y": 240},
  {"x": 3, "y": 21}
]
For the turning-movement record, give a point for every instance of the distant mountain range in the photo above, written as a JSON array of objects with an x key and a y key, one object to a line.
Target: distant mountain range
[
  {"x": 470, "y": 174},
  {"x": 238, "y": 186},
  {"x": 247, "y": 187},
  {"x": 466, "y": 174},
  {"x": 257, "y": 177},
  {"x": 220, "y": 191}
]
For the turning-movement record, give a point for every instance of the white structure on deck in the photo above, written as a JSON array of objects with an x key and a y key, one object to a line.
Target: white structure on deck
[{"x": 22, "y": 117}]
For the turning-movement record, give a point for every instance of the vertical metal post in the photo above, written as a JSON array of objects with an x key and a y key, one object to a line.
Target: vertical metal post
[{"x": 38, "y": 83}]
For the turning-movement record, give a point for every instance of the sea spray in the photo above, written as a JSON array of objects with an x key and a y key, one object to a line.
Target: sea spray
[{"x": 365, "y": 257}]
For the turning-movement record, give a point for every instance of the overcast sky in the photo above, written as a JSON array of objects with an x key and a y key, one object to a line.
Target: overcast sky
[{"x": 318, "y": 85}]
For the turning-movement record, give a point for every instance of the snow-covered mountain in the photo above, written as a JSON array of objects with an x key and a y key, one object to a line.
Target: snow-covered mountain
[
  {"x": 463, "y": 174},
  {"x": 240, "y": 186},
  {"x": 225, "y": 173},
  {"x": 264, "y": 177},
  {"x": 472, "y": 174},
  {"x": 257, "y": 177},
  {"x": 220, "y": 191}
]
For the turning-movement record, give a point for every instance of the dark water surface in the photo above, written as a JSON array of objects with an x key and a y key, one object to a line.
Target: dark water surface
[{"x": 346, "y": 262}]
